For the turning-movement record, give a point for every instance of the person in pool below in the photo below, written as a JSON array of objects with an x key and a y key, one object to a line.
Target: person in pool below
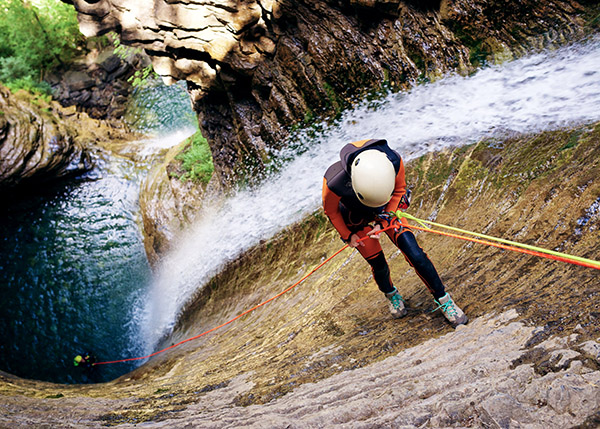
[
  {"x": 366, "y": 183},
  {"x": 85, "y": 360}
]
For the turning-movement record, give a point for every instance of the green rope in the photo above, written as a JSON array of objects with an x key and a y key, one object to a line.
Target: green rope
[{"x": 399, "y": 214}]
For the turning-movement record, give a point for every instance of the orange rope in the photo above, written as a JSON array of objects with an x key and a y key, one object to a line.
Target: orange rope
[
  {"x": 391, "y": 226},
  {"x": 503, "y": 246},
  {"x": 232, "y": 320}
]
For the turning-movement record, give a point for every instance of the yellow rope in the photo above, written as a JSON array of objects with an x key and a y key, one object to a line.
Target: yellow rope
[{"x": 584, "y": 261}]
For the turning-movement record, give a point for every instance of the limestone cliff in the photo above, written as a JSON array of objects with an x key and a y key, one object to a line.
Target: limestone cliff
[
  {"x": 327, "y": 353},
  {"x": 36, "y": 145},
  {"x": 255, "y": 68},
  {"x": 41, "y": 141}
]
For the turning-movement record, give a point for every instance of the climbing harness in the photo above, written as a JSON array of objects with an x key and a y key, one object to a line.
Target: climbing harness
[{"x": 394, "y": 223}]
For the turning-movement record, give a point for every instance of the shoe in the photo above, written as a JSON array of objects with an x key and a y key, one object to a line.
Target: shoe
[
  {"x": 451, "y": 311},
  {"x": 396, "y": 304}
]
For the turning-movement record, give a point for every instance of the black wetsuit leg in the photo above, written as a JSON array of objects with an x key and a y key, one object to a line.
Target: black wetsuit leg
[
  {"x": 381, "y": 272},
  {"x": 418, "y": 259}
]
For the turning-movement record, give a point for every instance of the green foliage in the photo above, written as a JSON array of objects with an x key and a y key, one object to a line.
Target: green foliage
[
  {"x": 140, "y": 78},
  {"x": 34, "y": 39},
  {"x": 573, "y": 140},
  {"x": 197, "y": 162},
  {"x": 40, "y": 90},
  {"x": 13, "y": 68},
  {"x": 120, "y": 50}
]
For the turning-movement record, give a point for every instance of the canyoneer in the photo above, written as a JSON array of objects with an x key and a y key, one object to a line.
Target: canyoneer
[
  {"x": 358, "y": 191},
  {"x": 84, "y": 360}
]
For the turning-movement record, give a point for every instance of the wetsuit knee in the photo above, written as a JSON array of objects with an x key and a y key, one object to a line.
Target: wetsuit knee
[
  {"x": 381, "y": 272},
  {"x": 407, "y": 243},
  {"x": 419, "y": 260}
]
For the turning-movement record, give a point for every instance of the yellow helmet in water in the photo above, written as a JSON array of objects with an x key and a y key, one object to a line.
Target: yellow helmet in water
[
  {"x": 77, "y": 360},
  {"x": 373, "y": 178}
]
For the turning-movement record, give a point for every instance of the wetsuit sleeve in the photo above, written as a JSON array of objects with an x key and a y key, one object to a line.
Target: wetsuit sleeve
[
  {"x": 331, "y": 205},
  {"x": 399, "y": 190}
]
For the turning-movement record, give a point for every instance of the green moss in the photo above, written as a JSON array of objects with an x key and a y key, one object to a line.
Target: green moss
[
  {"x": 196, "y": 160},
  {"x": 420, "y": 65},
  {"x": 56, "y": 396},
  {"x": 573, "y": 140},
  {"x": 478, "y": 51},
  {"x": 417, "y": 166},
  {"x": 386, "y": 77},
  {"x": 592, "y": 17},
  {"x": 594, "y": 22},
  {"x": 441, "y": 166},
  {"x": 333, "y": 100},
  {"x": 471, "y": 172},
  {"x": 416, "y": 59},
  {"x": 439, "y": 173},
  {"x": 309, "y": 116}
]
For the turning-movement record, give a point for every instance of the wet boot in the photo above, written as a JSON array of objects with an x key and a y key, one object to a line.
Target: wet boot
[
  {"x": 396, "y": 304},
  {"x": 451, "y": 311}
]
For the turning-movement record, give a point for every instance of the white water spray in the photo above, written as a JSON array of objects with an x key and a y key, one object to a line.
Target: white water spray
[{"x": 540, "y": 92}]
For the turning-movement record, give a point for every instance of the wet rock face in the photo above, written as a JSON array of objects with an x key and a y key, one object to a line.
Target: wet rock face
[
  {"x": 254, "y": 68},
  {"x": 168, "y": 204},
  {"x": 35, "y": 145},
  {"x": 98, "y": 83}
]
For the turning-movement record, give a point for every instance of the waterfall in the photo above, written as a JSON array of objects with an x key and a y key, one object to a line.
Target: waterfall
[{"x": 544, "y": 91}]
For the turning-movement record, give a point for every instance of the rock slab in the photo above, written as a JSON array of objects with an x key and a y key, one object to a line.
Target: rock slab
[{"x": 35, "y": 145}]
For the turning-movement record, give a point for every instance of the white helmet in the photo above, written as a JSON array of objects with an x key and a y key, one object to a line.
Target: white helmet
[{"x": 373, "y": 178}]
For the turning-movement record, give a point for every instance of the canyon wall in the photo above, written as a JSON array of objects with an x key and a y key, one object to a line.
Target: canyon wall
[
  {"x": 257, "y": 68},
  {"x": 42, "y": 142},
  {"x": 38, "y": 143}
]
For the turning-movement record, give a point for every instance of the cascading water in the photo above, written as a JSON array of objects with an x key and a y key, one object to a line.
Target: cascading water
[
  {"x": 73, "y": 268},
  {"x": 540, "y": 92}
]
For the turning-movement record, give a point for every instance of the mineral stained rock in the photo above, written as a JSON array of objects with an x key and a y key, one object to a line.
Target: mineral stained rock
[{"x": 255, "y": 68}]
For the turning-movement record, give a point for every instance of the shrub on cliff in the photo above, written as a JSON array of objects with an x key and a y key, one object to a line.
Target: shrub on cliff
[
  {"x": 34, "y": 39},
  {"x": 196, "y": 160}
]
